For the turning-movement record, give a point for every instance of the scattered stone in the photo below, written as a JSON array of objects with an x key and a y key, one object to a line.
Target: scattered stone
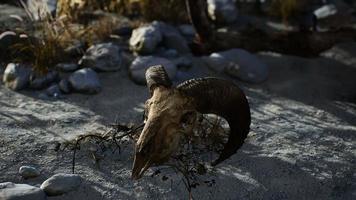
[
  {"x": 123, "y": 31},
  {"x": 187, "y": 30},
  {"x": 166, "y": 53},
  {"x": 29, "y": 172},
  {"x": 140, "y": 64},
  {"x": 54, "y": 91},
  {"x": 61, "y": 183},
  {"x": 85, "y": 81},
  {"x": 172, "y": 39},
  {"x": 12, "y": 191},
  {"x": 75, "y": 50},
  {"x": 7, "y": 39},
  {"x": 325, "y": 11},
  {"x": 103, "y": 57},
  {"x": 16, "y": 76},
  {"x": 239, "y": 63},
  {"x": 222, "y": 11},
  {"x": 67, "y": 67},
  {"x": 42, "y": 81},
  {"x": 145, "y": 39},
  {"x": 65, "y": 86},
  {"x": 183, "y": 62}
]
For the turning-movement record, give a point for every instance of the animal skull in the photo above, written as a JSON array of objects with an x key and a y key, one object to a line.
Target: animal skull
[{"x": 171, "y": 112}]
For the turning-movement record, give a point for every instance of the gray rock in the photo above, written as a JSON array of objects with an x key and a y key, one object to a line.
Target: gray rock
[
  {"x": 166, "y": 53},
  {"x": 29, "y": 172},
  {"x": 222, "y": 11},
  {"x": 123, "y": 31},
  {"x": 184, "y": 62},
  {"x": 239, "y": 63},
  {"x": 75, "y": 50},
  {"x": 12, "y": 191},
  {"x": 325, "y": 11},
  {"x": 187, "y": 30},
  {"x": 54, "y": 91},
  {"x": 42, "y": 81},
  {"x": 172, "y": 38},
  {"x": 145, "y": 39},
  {"x": 85, "y": 81},
  {"x": 140, "y": 64},
  {"x": 7, "y": 38},
  {"x": 16, "y": 76},
  {"x": 103, "y": 57},
  {"x": 67, "y": 67},
  {"x": 65, "y": 86},
  {"x": 61, "y": 183}
]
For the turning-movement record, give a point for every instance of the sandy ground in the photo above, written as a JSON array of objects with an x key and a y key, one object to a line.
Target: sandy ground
[{"x": 302, "y": 143}]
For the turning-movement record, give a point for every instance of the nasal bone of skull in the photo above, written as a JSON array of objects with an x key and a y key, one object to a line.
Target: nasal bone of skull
[{"x": 148, "y": 132}]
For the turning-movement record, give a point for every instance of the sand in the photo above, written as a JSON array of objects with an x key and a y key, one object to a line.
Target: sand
[{"x": 302, "y": 143}]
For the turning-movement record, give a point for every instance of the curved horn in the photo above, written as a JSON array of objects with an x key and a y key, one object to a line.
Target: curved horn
[
  {"x": 156, "y": 76},
  {"x": 223, "y": 98}
]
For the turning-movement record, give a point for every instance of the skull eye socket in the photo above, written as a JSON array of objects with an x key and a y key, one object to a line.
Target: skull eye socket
[{"x": 187, "y": 119}]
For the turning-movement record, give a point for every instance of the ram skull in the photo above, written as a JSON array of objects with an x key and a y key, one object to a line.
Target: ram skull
[{"x": 171, "y": 112}]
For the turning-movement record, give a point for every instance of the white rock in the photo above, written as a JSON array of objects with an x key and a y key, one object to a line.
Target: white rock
[
  {"x": 28, "y": 172},
  {"x": 103, "y": 57},
  {"x": 325, "y": 11},
  {"x": 222, "y": 11},
  {"x": 16, "y": 76},
  {"x": 239, "y": 63},
  {"x": 12, "y": 191},
  {"x": 140, "y": 64},
  {"x": 85, "y": 81},
  {"x": 61, "y": 183},
  {"x": 145, "y": 39}
]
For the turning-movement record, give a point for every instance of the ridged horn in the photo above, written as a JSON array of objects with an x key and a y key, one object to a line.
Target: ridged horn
[
  {"x": 225, "y": 99},
  {"x": 157, "y": 76}
]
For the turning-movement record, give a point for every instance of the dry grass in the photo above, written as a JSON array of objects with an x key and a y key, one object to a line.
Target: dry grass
[{"x": 55, "y": 34}]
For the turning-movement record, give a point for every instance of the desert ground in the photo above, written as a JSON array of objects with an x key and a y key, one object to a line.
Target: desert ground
[{"x": 301, "y": 145}]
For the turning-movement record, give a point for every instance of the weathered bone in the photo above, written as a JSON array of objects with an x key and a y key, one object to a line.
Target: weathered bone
[
  {"x": 168, "y": 108},
  {"x": 223, "y": 98},
  {"x": 157, "y": 76}
]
